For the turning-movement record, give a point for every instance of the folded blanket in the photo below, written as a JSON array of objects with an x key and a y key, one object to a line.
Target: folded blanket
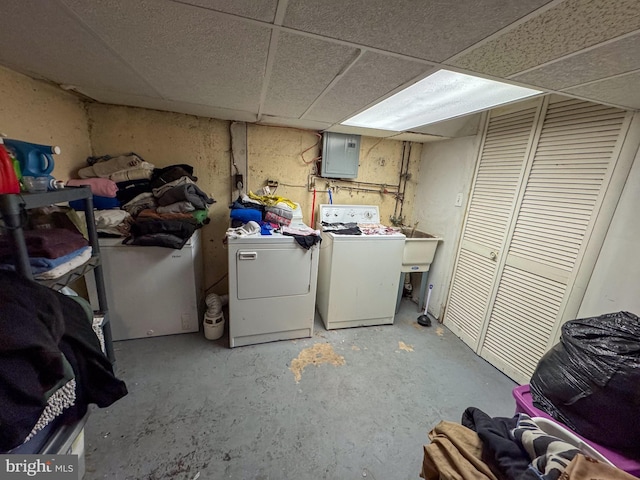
[
  {"x": 66, "y": 267},
  {"x": 284, "y": 212},
  {"x": 48, "y": 243},
  {"x": 111, "y": 166},
  {"x": 189, "y": 192},
  {"x": 162, "y": 176},
  {"x": 197, "y": 217},
  {"x": 175, "y": 227},
  {"x": 103, "y": 187},
  {"x": 99, "y": 203},
  {"x": 140, "y": 202},
  {"x": 246, "y": 215},
  {"x": 275, "y": 218},
  {"x": 42, "y": 264},
  {"x": 136, "y": 174},
  {"x": 130, "y": 189},
  {"x": 158, "y": 192},
  {"x": 178, "y": 207}
]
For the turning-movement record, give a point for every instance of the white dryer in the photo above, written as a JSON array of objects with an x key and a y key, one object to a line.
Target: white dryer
[
  {"x": 358, "y": 275},
  {"x": 272, "y": 289}
]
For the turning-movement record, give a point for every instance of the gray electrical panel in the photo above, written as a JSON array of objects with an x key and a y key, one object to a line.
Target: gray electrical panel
[{"x": 340, "y": 155}]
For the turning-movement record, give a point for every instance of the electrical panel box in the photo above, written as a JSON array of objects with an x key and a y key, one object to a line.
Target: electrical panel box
[{"x": 340, "y": 155}]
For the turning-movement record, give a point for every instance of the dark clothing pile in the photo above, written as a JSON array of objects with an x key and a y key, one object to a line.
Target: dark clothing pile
[
  {"x": 156, "y": 200},
  {"x": 42, "y": 331},
  {"x": 170, "y": 210},
  {"x": 505, "y": 449}
]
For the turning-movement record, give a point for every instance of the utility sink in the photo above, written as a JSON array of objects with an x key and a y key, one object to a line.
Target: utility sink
[{"x": 419, "y": 250}]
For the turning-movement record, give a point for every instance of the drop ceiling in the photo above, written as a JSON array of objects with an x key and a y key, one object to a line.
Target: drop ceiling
[{"x": 314, "y": 63}]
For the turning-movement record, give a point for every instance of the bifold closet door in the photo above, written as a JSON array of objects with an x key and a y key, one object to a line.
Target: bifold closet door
[
  {"x": 576, "y": 151},
  {"x": 506, "y": 145}
]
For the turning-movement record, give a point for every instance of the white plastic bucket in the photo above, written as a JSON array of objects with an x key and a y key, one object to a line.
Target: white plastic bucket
[{"x": 213, "y": 326}]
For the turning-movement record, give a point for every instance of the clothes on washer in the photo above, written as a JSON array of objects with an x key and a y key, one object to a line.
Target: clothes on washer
[
  {"x": 342, "y": 228},
  {"x": 272, "y": 217},
  {"x": 246, "y": 215},
  {"x": 272, "y": 200},
  {"x": 305, "y": 241}
]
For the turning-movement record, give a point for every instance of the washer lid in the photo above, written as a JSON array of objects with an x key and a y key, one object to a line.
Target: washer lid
[{"x": 349, "y": 213}]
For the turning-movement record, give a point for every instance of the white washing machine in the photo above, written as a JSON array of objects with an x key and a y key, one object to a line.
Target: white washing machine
[
  {"x": 358, "y": 275},
  {"x": 272, "y": 289}
]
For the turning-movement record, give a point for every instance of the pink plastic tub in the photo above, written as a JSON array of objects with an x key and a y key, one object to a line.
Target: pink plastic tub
[{"x": 524, "y": 404}]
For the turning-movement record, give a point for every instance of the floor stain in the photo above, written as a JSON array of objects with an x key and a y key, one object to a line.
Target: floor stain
[
  {"x": 417, "y": 326},
  {"x": 355, "y": 348},
  {"x": 440, "y": 331},
  {"x": 315, "y": 355},
  {"x": 405, "y": 347}
]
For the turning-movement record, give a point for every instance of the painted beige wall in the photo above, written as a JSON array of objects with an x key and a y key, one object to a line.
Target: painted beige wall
[
  {"x": 37, "y": 112},
  {"x": 274, "y": 153},
  {"x": 615, "y": 280},
  {"x": 446, "y": 169},
  {"x": 164, "y": 139}
]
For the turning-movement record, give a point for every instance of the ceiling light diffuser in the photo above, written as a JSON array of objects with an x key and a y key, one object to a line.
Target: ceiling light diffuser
[{"x": 440, "y": 96}]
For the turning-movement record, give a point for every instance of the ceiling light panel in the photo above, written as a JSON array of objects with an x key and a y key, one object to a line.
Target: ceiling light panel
[{"x": 438, "y": 97}]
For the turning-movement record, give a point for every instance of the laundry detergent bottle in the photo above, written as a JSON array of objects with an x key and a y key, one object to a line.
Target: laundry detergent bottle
[
  {"x": 35, "y": 160},
  {"x": 8, "y": 179}
]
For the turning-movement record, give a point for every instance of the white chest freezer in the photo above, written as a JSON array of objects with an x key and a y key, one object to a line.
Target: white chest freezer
[{"x": 151, "y": 291}]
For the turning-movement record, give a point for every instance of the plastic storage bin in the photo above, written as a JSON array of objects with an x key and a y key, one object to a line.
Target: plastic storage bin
[{"x": 524, "y": 404}]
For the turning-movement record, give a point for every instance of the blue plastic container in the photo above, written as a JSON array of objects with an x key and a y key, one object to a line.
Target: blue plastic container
[{"x": 35, "y": 160}]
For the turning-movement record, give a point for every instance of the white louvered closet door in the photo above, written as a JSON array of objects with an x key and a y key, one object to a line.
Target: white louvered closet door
[
  {"x": 569, "y": 173},
  {"x": 506, "y": 144}
]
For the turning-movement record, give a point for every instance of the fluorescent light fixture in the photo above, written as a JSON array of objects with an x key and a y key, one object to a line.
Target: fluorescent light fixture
[{"x": 438, "y": 97}]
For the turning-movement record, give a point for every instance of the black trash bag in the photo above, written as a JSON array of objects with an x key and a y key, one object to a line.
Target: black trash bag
[{"x": 590, "y": 381}]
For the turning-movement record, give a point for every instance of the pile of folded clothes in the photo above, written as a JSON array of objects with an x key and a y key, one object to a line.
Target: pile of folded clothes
[
  {"x": 150, "y": 206},
  {"x": 270, "y": 209},
  {"x": 261, "y": 214},
  {"x": 53, "y": 252}
]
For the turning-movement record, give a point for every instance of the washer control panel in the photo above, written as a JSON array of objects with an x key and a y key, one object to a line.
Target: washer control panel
[{"x": 349, "y": 213}]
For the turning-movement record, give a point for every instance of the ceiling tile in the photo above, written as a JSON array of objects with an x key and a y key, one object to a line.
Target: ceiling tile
[
  {"x": 611, "y": 59},
  {"x": 264, "y": 10},
  {"x": 116, "y": 98},
  {"x": 566, "y": 28},
  {"x": 372, "y": 76},
  {"x": 293, "y": 122},
  {"x": 622, "y": 91},
  {"x": 44, "y": 40},
  {"x": 186, "y": 52},
  {"x": 303, "y": 68},
  {"x": 429, "y": 30}
]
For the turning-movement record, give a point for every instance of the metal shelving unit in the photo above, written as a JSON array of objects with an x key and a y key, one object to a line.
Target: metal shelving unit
[{"x": 13, "y": 208}]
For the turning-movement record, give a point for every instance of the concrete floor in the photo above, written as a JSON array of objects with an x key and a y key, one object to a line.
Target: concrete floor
[{"x": 197, "y": 409}]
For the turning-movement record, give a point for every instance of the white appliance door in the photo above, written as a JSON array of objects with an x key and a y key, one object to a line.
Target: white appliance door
[
  {"x": 151, "y": 290},
  {"x": 265, "y": 272}
]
